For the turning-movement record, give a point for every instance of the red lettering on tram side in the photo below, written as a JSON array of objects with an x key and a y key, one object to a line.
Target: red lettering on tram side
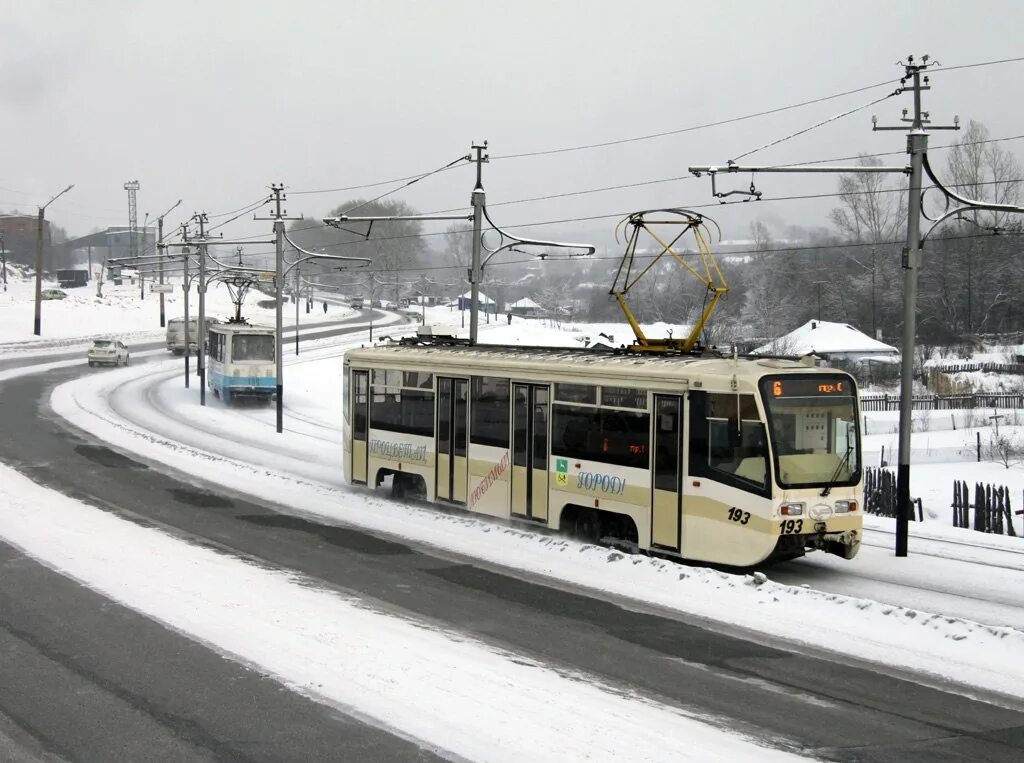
[{"x": 489, "y": 479}]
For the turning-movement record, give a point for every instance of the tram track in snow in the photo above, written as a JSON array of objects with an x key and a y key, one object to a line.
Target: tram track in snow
[
  {"x": 955, "y": 542},
  {"x": 310, "y": 464}
]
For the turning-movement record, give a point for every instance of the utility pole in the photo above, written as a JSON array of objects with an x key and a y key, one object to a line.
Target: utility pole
[
  {"x": 186, "y": 287},
  {"x": 140, "y": 251},
  {"x": 161, "y": 251},
  {"x": 917, "y": 148},
  {"x": 478, "y": 201},
  {"x": 37, "y": 327},
  {"x": 132, "y": 186},
  {"x": 280, "y": 215},
  {"x": 298, "y": 294},
  {"x": 201, "y": 220},
  {"x": 874, "y": 326}
]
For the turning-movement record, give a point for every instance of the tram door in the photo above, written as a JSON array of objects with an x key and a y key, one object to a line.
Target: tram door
[
  {"x": 668, "y": 429},
  {"x": 452, "y": 435},
  {"x": 360, "y": 423},
  {"x": 530, "y": 450}
]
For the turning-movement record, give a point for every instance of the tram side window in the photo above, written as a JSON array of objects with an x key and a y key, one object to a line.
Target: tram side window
[
  {"x": 417, "y": 412},
  {"x": 727, "y": 441},
  {"x": 489, "y": 412},
  {"x": 595, "y": 434},
  {"x": 216, "y": 346},
  {"x": 346, "y": 392},
  {"x": 360, "y": 391},
  {"x": 576, "y": 393},
  {"x": 410, "y": 411}
]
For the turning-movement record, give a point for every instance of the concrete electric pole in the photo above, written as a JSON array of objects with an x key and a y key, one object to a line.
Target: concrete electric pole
[
  {"x": 913, "y": 81},
  {"x": 37, "y": 324},
  {"x": 132, "y": 186}
]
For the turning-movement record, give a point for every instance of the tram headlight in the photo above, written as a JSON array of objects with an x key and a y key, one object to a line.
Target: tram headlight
[
  {"x": 844, "y": 507},
  {"x": 792, "y": 509}
]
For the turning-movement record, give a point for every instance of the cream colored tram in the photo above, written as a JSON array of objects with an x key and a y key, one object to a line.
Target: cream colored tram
[{"x": 726, "y": 460}]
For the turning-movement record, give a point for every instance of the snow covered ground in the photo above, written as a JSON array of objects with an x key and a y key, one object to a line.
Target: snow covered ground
[{"x": 953, "y": 609}]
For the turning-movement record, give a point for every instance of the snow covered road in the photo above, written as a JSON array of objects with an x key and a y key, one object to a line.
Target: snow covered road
[{"x": 950, "y": 591}]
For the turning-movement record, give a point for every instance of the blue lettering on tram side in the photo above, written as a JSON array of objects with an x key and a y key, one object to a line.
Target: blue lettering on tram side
[{"x": 605, "y": 483}]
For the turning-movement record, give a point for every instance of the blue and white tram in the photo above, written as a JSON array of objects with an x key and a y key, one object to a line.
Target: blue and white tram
[{"x": 241, "y": 361}]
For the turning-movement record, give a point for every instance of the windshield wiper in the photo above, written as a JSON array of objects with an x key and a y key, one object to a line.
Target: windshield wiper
[{"x": 839, "y": 467}]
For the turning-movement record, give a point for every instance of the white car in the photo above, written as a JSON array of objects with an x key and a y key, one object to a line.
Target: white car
[{"x": 108, "y": 351}]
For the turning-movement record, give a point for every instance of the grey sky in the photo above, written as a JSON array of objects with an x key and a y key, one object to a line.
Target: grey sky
[{"x": 212, "y": 101}]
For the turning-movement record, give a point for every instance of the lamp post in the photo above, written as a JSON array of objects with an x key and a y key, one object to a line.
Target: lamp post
[{"x": 37, "y": 328}]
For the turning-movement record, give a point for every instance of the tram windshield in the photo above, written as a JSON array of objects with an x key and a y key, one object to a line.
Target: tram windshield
[
  {"x": 813, "y": 428},
  {"x": 252, "y": 347}
]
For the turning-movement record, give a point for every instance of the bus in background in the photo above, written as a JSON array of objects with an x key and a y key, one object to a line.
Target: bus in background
[{"x": 176, "y": 334}]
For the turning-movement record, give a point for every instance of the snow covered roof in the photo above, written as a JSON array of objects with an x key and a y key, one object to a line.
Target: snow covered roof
[
  {"x": 481, "y": 297},
  {"x": 823, "y": 338},
  {"x": 525, "y": 302}
]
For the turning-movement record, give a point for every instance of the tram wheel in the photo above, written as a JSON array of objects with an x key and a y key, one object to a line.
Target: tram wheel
[{"x": 587, "y": 526}]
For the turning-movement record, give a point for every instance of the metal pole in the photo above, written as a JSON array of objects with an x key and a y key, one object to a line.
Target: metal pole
[
  {"x": 39, "y": 273},
  {"x": 185, "y": 288},
  {"x": 874, "y": 328},
  {"x": 278, "y": 284},
  {"x": 298, "y": 296},
  {"x": 39, "y": 260},
  {"x": 478, "y": 200},
  {"x": 917, "y": 145},
  {"x": 162, "y": 252},
  {"x": 201, "y": 324}
]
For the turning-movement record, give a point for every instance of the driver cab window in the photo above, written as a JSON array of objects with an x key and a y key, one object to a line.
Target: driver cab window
[{"x": 727, "y": 440}]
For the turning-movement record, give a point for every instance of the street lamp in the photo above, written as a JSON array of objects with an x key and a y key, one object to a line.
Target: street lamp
[{"x": 39, "y": 260}]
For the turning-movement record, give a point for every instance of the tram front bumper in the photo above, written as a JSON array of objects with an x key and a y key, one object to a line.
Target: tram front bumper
[{"x": 844, "y": 543}]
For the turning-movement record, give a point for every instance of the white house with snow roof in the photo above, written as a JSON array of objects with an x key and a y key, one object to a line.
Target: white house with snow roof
[
  {"x": 832, "y": 341},
  {"x": 525, "y": 307},
  {"x": 484, "y": 303}
]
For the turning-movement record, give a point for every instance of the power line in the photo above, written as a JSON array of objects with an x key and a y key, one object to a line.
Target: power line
[
  {"x": 733, "y": 253},
  {"x": 651, "y": 136},
  {"x": 244, "y": 211},
  {"x": 406, "y": 185},
  {"x": 257, "y": 203},
  {"x": 974, "y": 66},
  {"x": 620, "y": 215},
  {"x": 692, "y": 128},
  {"x": 818, "y": 124}
]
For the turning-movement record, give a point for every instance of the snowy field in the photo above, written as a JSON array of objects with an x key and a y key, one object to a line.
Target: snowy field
[{"x": 953, "y": 609}]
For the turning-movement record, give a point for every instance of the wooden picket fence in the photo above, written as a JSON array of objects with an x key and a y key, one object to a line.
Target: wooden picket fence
[
  {"x": 880, "y": 494},
  {"x": 992, "y": 510},
  {"x": 944, "y": 402}
]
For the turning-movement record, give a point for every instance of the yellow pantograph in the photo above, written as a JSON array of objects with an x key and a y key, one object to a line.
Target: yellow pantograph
[{"x": 704, "y": 268}]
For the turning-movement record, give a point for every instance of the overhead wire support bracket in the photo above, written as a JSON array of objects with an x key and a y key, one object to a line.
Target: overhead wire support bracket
[
  {"x": 712, "y": 170},
  {"x": 506, "y": 241}
]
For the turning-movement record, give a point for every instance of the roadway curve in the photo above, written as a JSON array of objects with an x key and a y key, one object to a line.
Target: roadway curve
[{"x": 176, "y": 696}]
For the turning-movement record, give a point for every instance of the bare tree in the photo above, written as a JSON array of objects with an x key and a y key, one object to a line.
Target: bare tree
[
  {"x": 984, "y": 170},
  {"x": 760, "y": 235},
  {"x": 874, "y": 207}
]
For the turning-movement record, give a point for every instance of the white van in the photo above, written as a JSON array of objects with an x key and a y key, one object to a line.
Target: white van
[{"x": 176, "y": 334}]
